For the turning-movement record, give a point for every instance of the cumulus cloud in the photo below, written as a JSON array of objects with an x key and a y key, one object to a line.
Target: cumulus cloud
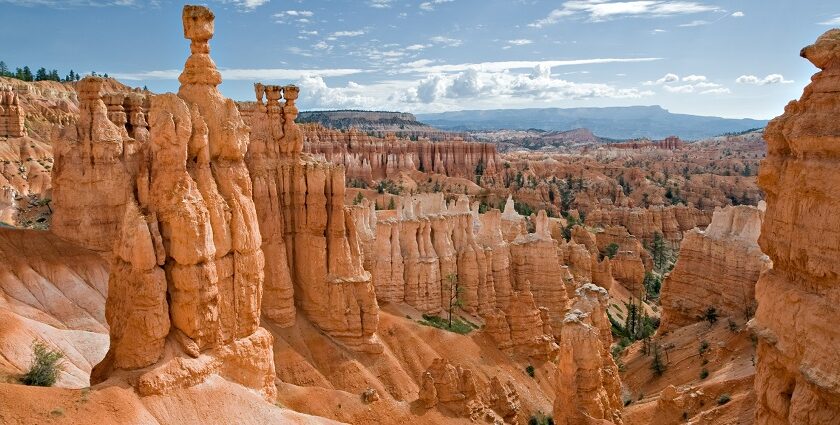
[
  {"x": 667, "y": 78},
  {"x": 738, "y": 15},
  {"x": 672, "y": 83},
  {"x": 770, "y": 79},
  {"x": 319, "y": 95},
  {"x": 537, "y": 84},
  {"x": 694, "y": 78},
  {"x": 415, "y": 47},
  {"x": 602, "y": 10}
]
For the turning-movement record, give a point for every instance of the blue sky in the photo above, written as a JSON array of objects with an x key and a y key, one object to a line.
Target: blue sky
[{"x": 735, "y": 58}]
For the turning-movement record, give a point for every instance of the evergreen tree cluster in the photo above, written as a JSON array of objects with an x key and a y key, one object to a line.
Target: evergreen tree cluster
[{"x": 41, "y": 74}]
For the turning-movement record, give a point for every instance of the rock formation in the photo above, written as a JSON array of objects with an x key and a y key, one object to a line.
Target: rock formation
[
  {"x": 12, "y": 115},
  {"x": 798, "y": 364},
  {"x": 457, "y": 389},
  {"x": 173, "y": 204},
  {"x": 587, "y": 378},
  {"x": 372, "y": 158},
  {"x": 311, "y": 243},
  {"x": 644, "y": 223},
  {"x": 717, "y": 268}
]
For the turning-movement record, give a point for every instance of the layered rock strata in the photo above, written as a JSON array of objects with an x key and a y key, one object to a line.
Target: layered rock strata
[
  {"x": 717, "y": 268},
  {"x": 371, "y": 158},
  {"x": 644, "y": 223},
  {"x": 313, "y": 250},
  {"x": 798, "y": 364}
]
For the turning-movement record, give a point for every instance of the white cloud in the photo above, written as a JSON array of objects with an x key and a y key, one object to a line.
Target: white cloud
[
  {"x": 520, "y": 42},
  {"x": 355, "y": 33},
  {"x": 319, "y": 95},
  {"x": 243, "y": 74},
  {"x": 429, "y": 6},
  {"x": 536, "y": 85},
  {"x": 770, "y": 79},
  {"x": 686, "y": 88},
  {"x": 508, "y": 65},
  {"x": 658, "y": 31},
  {"x": 833, "y": 21},
  {"x": 694, "y": 78},
  {"x": 603, "y": 10},
  {"x": 250, "y": 4},
  {"x": 738, "y": 15},
  {"x": 306, "y": 13},
  {"x": 697, "y": 23},
  {"x": 446, "y": 41},
  {"x": 380, "y": 4},
  {"x": 719, "y": 90},
  {"x": 321, "y": 45},
  {"x": 415, "y": 47},
  {"x": 667, "y": 78}
]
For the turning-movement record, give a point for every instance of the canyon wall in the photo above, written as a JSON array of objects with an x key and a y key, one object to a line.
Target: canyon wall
[
  {"x": 372, "y": 158},
  {"x": 798, "y": 364},
  {"x": 644, "y": 223},
  {"x": 717, "y": 268}
]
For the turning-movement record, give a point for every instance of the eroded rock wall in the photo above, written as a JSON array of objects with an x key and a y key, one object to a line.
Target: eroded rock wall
[
  {"x": 798, "y": 364},
  {"x": 717, "y": 268}
]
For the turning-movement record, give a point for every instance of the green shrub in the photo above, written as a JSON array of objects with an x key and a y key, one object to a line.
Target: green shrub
[
  {"x": 530, "y": 371},
  {"x": 458, "y": 326},
  {"x": 710, "y": 315},
  {"x": 704, "y": 373},
  {"x": 723, "y": 399},
  {"x": 704, "y": 347},
  {"x": 46, "y": 366}
]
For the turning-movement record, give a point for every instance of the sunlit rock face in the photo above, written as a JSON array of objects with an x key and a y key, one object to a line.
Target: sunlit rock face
[
  {"x": 167, "y": 192},
  {"x": 798, "y": 363},
  {"x": 717, "y": 268}
]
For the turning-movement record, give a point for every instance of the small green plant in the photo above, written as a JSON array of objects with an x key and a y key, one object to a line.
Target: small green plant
[
  {"x": 611, "y": 250},
  {"x": 704, "y": 347},
  {"x": 723, "y": 399},
  {"x": 732, "y": 325},
  {"x": 704, "y": 373},
  {"x": 358, "y": 199},
  {"x": 710, "y": 315},
  {"x": 46, "y": 366},
  {"x": 657, "y": 365},
  {"x": 540, "y": 418},
  {"x": 530, "y": 370},
  {"x": 457, "y": 325}
]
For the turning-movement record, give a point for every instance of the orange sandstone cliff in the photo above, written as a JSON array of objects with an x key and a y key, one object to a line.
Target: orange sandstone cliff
[{"x": 798, "y": 363}]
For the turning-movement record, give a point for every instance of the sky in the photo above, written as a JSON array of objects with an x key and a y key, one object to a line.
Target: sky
[{"x": 732, "y": 58}]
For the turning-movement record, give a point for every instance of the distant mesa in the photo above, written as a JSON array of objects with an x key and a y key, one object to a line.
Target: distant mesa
[{"x": 631, "y": 122}]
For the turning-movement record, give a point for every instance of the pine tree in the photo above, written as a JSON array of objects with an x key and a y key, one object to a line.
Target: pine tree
[
  {"x": 41, "y": 74},
  {"x": 26, "y": 73},
  {"x": 4, "y": 70},
  {"x": 54, "y": 75}
]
